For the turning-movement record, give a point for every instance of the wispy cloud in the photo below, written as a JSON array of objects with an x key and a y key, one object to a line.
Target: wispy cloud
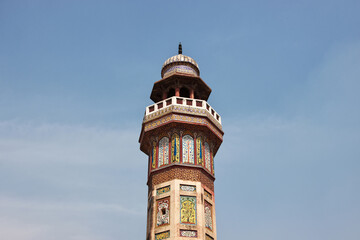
[
  {"x": 297, "y": 174},
  {"x": 32, "y": 143},
  {"x": 62, "y": 181}
]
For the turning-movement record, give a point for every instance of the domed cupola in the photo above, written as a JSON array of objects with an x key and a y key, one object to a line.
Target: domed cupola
[
  {"x": 180, "y": 64},
  {"x": 181, "y": 78}
]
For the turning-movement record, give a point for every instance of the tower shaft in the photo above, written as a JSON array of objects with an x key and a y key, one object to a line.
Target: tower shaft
[{"x": 181, "y": 134}]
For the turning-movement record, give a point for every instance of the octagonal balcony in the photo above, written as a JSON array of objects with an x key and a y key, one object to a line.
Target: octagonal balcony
[{"x": 192, "y": 106}]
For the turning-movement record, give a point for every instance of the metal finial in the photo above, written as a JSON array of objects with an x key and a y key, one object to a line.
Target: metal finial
[{"x": 180, "y": 48}]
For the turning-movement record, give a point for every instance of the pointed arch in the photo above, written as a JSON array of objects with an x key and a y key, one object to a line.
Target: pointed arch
[
  {"x": 153, "y": 155},
  {"x": 163, "y": 151},
  {"x": 199, "y": 151},
  {"x": 175, "y": 148},
  {"x": 207, "y": 156},
  {"x": 188, "y": 149}
]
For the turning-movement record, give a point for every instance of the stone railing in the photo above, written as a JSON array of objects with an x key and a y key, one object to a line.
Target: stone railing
[{"x": 181, "y": 101}]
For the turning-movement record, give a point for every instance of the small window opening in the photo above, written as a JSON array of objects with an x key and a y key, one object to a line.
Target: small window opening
[{"x": 163, "y": 211}]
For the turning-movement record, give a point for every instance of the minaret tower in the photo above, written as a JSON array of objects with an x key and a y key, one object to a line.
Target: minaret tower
[{"x": 181, "y": 134}]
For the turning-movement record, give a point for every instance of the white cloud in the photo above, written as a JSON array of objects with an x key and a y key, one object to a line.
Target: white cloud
[
  {"x": 70, "y": 182},
  {"x": 30, "y": 143}
]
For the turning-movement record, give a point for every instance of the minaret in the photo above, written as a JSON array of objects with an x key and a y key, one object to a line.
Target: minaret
[{"x": 181, "y": 134}]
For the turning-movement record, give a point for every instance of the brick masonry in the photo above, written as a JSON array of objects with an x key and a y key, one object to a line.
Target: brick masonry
[{"x": 183, "y": 173}]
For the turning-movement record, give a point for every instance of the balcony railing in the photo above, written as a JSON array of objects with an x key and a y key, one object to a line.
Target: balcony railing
[{"x": 181, "y": 101}]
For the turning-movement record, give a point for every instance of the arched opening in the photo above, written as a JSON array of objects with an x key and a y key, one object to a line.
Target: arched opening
[
  {"x": 196, "y": 95},
  {"x": 184, "y": 92},
  {"x": 171, "y": 93}
]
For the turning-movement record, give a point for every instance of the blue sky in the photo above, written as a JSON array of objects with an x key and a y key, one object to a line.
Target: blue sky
[{"x": 76, "y": 76}]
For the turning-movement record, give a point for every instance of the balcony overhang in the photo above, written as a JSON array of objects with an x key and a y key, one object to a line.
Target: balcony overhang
[{"x": 202, "y": 89}]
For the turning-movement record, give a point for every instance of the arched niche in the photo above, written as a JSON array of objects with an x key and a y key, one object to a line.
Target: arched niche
[{"x": 188, "y": 149}]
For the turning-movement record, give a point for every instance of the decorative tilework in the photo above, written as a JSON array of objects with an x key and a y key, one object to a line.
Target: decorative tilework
[
  {"x": 163, "y": 151},
  {"x": 199, "y": 151},
  {"x": 207, "y": 157},
  {"x": 179, "y": 69},
  {"x": 188, "y": 233},
  {"x": 175, "y": 117},
  {"x": 175, "y": 148},
  {"x": 163, "y": 190},
  {"x": 182, "y": 109},
  {"x": 187, "y": 149},
  {"x": 163, "y": 212},
  {"x": 207, "y": 237},
  {"x": 188, "y": 210},
  {"x": 188, "y": 188},
  {"x": 162, "y": 235},
  {"x": 208, "y": 215},
  {"x": 153, "y": 156},
  {"x": 207, "y": 194}
]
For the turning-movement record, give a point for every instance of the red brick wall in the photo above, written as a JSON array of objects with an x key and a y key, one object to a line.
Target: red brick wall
[{"x": 196, "y": 174}]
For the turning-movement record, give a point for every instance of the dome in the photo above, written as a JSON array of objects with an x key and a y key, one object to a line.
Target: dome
[{"x": 180, "y": 64}]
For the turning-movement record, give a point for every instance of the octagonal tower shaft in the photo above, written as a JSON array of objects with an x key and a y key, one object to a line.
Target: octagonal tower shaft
[{"x": 181, "y": 134}]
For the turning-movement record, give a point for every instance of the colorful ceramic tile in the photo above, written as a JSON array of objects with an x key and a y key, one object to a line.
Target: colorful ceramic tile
[
  {"x": 188, "y": 233},
  {"x": 207, "y": 157},
  {"x": 153, "y": 156},
  {"x": 188, "y": 149},
  {"x": 163, "y": 151},
  {"x": 188, "y": 209},
  {"x": 199, "y": 151},
  {"x": 188, "y": 188},
  {"x": 163, "y": 212},
  {"x": 208, "y": 215},
  {"x": 175, "y": 148},
  {"x": 162, "y": 235},
  {"x": 176, "y": 117},
  {"x": 163, "y": 190}
]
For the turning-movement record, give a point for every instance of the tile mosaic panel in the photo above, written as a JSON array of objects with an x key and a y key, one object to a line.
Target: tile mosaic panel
[
  {"x": 207, "y": 237},
  {"x": 163, "y": 151},
  {"x": 188, "y": 233},
  {"x": 188, "y": 188},
  {"x": 163, "y": 212},
  {"x": 188, "y": 149},
  {"x": 208, "y": 215},
  {"x": 153, "y": 156},
  {"x": 183, "y": 109},
  {"x": 175, "y": 148},
  {"x": 207, "y": 157},
  {"x": 163, "y": 190},
  {"x": 199, "y": 151},
  {"x": 176, "y": 117},
  {"x": 209, "y": 195},
  {"x": 180, "y": 69},
  {"x": 162, "y": 235},
  {"x": 188, "y": 209}
]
